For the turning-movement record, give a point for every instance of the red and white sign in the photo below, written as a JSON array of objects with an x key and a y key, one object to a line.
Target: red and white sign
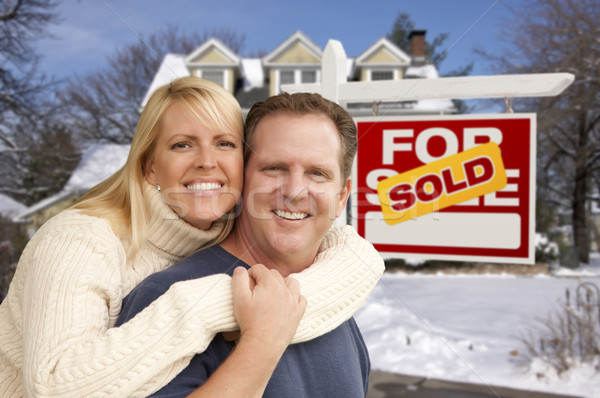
[{"x": 496, "y": 227}]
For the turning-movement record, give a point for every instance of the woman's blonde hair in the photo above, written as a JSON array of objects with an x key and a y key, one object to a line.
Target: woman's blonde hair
[{"x": 120, "y": 198}]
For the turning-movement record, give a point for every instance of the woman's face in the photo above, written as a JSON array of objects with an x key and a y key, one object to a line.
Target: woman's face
[{"x": 200, "y": 171}]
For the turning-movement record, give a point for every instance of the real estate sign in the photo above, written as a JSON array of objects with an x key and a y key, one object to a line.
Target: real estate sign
[{"x": 458, "y": 187}]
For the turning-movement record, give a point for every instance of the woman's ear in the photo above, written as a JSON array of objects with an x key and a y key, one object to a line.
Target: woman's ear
[{"x": 149, "y": 171}]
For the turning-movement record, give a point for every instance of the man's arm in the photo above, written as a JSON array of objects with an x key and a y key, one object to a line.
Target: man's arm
[{"x": 268, "y": 315}]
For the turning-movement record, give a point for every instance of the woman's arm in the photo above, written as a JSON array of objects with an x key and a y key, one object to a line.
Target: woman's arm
[
  {"x": 337, "y": 284},
  {"x": 69, "y": 351},
  {"x": 71, "y": 281}
]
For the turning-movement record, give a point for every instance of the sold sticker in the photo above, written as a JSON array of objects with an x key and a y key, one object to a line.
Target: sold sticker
[{"x": 446, "y": 182}]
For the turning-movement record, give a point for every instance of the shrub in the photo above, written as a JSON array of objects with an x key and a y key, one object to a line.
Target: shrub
[{"x": 569, "y": 335}]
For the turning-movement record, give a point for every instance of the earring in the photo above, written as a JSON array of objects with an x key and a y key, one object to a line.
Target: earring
[{"x": 157, "y": 187}]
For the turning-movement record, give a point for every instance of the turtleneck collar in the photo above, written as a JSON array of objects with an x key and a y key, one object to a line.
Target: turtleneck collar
[{"x": 170, "y": 233}]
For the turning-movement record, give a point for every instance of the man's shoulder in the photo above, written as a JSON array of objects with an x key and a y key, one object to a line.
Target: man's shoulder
[{"x": 214, "y": 260}]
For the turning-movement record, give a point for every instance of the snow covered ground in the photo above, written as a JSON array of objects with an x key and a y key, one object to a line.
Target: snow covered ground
[{"x": 464, "y": 327}]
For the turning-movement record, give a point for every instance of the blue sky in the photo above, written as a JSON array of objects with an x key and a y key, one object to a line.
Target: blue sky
[{"x": 92, "y": 29}]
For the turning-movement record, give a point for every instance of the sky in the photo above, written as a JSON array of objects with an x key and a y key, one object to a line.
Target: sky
[
  {"x": 90, "y": 30},
  {"x": 463, "y": 328}
]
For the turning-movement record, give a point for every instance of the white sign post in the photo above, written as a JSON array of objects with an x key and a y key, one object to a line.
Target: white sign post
[{"x": 336, "y": 87}]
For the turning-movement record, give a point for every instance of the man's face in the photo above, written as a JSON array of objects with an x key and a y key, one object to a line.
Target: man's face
[{"x": 293, "y": 186}]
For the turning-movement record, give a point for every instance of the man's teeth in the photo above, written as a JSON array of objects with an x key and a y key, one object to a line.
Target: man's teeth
[
  {"x": 203, "y": 186},
  {"x": 290, "y": 216}
]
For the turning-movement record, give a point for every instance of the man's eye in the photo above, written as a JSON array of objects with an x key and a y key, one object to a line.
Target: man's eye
[{"x": 318, "y": 174}]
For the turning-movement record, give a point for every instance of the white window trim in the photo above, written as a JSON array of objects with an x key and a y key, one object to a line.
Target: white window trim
[
  {"x": 371, "y": 70},
  {"x": 225, "y": 76},
  {"x": 297, "y": 76}
]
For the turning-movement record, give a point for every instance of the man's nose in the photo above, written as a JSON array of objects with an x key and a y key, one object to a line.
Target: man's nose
[{"x": 294, "y": 186}]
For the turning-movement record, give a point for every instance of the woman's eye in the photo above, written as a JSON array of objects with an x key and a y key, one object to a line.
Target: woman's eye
[
  {"x": 180, "y": 145},
  {"x": 227, "y": 144}
]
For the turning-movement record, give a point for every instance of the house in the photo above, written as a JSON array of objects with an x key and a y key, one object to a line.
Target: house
[
  {"x": 97, "y": 163},
  {"x": 298, "y": 60}
]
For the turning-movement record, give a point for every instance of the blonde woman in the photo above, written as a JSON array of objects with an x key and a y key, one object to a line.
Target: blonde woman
[{"x": 174, "y": 196}]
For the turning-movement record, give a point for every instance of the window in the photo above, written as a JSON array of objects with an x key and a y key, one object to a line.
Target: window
[
  {"x": 297, "y": 76},
  {"x": 309, "y": 76},
  {"x": 216, "y": 76},
  {"x": 286, "y": 77},
  {"x": 382, "y": 75}
]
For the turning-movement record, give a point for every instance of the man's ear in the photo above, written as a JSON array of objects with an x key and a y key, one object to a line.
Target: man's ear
[{"x": 344, "y": 195}]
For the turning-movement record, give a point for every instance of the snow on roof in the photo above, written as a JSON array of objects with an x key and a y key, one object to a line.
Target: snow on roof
[
  {"x": 438, "y": 105},
  {"x": 172, "y": 67},
  {"x": 429, "y": 72},
  {"x": 425, "y": 71},
  {"x": 42, "y": 204},
  {"x": 99, "y": 162},
  {"x": 10, "y": 207},
  {"x": 350, "y": 67},
  {"x": 253, "y": 73}
]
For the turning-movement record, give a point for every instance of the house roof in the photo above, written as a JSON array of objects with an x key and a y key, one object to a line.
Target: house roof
[
  {"x": 253, "y": 83},
  {"x": 172, "y": 67},
  {"x": 224, "y": 56},
  {"x": 423, "y": 71},
  {"x": 297, "y": 38},
  {"x": 393, "y": 54},
  {"x": 97, "y": 163},
  {"x": 254, "y": 75}
]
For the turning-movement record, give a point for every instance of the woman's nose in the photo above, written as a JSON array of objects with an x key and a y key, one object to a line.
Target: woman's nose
[{"x": 205, "y": 158}]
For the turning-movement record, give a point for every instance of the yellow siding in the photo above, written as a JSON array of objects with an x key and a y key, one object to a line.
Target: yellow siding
[
  {"x": 381, "y": 57},
  {"x": 230, "y": 80},
  {"x": 272, "y": 76},
  {"x": 400, "y": 74},
  {"x": 297, "y": 54},
  {"x": 212, "y": 56},
  {"x": 363, "y": 75}
]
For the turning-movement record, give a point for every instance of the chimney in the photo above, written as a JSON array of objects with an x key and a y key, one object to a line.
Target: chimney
[{"x": 417, "y": 46}]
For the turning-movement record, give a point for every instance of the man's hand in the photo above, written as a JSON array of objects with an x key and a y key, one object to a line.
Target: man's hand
[{"x": 269, "y": 312}]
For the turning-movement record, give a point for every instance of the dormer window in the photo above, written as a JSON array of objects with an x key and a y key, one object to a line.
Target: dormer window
[
  {"x": 309, "y": 76},
  {"x": 216, "y": 76},
  {"x": 382, "y": 61},
  {"x": 295, "y": 61},
  {"x": 214, "y": 61},
  {"x": 297, "y": 76},
  {"x": 286, "y": 77},
  {"x": 382, "y": 75}
]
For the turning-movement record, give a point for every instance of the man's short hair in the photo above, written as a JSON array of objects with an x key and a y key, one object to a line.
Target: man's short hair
[{"x": 306, "y": 103}]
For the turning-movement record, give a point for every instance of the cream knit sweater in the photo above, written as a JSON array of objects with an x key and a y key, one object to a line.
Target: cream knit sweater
[{"x": 56, "y": 334}]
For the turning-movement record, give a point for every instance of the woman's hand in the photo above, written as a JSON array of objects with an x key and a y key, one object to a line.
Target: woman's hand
[{"x": 269, "y": 312}]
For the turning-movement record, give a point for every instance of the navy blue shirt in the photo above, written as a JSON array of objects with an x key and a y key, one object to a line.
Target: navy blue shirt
[{"x": 333, "y": 365}]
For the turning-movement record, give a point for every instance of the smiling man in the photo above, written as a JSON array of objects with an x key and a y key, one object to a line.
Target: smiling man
[
  {"x": 294, "y": 187},
  {"x": 298, "y": 159}
]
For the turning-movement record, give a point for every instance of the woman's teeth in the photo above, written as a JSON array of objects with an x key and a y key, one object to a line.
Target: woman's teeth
[{"x": 203, "y": 186}]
